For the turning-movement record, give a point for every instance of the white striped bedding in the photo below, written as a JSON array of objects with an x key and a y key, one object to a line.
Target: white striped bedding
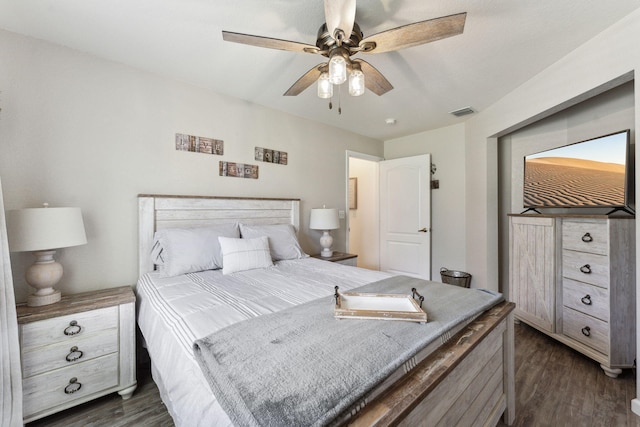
[{"x": 174, "y": 312}]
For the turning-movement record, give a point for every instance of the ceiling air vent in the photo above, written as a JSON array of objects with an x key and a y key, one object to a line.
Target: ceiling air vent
[{"x": 462, "y": 111}]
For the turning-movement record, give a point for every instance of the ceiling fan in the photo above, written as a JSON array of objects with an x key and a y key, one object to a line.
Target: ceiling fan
[{"x": 340, "y": 38}]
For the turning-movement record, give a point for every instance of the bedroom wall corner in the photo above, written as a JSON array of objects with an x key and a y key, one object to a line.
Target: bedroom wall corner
[
  {"x": 78, "y": 130},
  {"x": 611, "y": 59}
]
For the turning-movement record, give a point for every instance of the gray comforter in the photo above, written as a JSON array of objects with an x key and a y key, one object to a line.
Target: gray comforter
[{"x": 303, "y": 367}]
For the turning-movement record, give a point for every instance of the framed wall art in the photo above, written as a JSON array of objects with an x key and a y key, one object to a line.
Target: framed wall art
[{"x": 353, "y": 193}]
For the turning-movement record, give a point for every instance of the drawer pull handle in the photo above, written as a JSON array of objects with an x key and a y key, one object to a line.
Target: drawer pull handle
[
  {"x": 586, "y": 331},
  {"x": 586, "y": 269},
  {"x": 74, "y": 354},
  {"x": 587, "y": 238},
  {"x": 73, "y": 386},
  {"x": 586, "y": 300},
  {"x": 73, "y": 328}
]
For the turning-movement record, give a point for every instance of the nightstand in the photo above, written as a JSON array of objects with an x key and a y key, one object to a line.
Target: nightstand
[
  {"x": 76, "y": 350},
  {"x": 340, "y": 258}
]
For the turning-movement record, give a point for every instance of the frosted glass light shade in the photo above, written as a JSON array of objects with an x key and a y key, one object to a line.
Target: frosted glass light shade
[
  {"x": 325, "y": 88},
  {"x": 337, "y": 70},
  {"x": 356, "y": 83},
  {"x": 324, "y": 219},
  {"x": 38, "y": 229}
]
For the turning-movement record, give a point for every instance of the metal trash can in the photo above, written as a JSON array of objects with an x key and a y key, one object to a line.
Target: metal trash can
[{"x": 453, "y": 277}]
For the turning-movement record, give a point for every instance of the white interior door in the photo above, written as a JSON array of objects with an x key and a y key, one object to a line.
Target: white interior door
[{"x": 405, "y": 216}]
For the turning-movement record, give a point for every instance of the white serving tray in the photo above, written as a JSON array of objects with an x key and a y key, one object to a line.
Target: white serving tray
[{"x": 353, "y": 305}]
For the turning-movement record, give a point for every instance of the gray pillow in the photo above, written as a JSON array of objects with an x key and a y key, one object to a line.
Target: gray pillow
[
  {"x": 188, "y": 250},
  {"x": 283, "y": 242}
]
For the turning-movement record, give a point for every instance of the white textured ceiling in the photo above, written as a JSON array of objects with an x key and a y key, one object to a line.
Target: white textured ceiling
[{"x": 505, "y": 42}]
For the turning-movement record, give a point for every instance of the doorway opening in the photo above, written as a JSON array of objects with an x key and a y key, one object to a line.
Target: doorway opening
[{"x": 362, "y": 192}]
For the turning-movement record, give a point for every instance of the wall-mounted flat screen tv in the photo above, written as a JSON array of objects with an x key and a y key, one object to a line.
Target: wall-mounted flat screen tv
[{"x": 597, "y": 173}]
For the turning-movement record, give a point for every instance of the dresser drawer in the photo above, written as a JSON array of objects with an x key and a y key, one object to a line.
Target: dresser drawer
[
  {"x": 588, "y": 299},
  {"x": 36, "y": 360},
  {"x": 586, "y": 267},
  {"x": 586, "y": 236},
  {"x": 46, "y": 391},
  {"x": 52, "y": 331},
  {"x": 586, "y": 329}
]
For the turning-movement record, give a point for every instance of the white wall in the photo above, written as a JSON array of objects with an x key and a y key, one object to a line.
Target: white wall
[
  {"x": 76, "y": 130},
  {"x": 446, "y": 146},
  {"x": 603, "y": 62}
]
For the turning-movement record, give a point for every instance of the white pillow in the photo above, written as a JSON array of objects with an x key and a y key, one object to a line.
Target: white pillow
[
  {"x": 282, "y": 239},
  {"x": 244, "y": 254},
  {"x": 187, "y": 250}
]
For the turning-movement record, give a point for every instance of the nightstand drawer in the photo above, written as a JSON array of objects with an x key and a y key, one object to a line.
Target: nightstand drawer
[
  {"x": 588, "y": 299},
  {"x": 46, "y": 391},
  {"x": 67, "y": 353},
  {"x": 586, "y": 236},
  {"x": 586, "y": 267},
  {"x": 586, "y": 329},
  {"x": 50, "y": 331}
]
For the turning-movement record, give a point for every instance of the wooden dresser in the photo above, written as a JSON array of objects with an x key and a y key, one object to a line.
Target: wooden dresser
[
  {"x": 76, "y": 350},
  {"x": 573, "y": 278}
]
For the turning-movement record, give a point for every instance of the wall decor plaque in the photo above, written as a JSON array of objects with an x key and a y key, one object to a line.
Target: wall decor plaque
[
  {"x": 238, "y": 170},
  {"x": 199, "y": 144},
  {"x": 271, "y": 156}
]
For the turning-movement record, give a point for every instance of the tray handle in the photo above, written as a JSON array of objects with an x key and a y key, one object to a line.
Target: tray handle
[{"x": 414, "y": 293}]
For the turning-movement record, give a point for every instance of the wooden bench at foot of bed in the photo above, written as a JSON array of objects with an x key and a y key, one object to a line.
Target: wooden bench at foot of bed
[{"x": 468, "y": 381}]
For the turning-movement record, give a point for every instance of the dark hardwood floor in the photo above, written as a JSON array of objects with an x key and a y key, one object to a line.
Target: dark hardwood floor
[
  {"x": 144, "y": 408},
  {"x": 555, "y": 386}
]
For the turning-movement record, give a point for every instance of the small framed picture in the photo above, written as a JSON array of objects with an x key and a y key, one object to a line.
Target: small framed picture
[{"x": 353, "y": 193}]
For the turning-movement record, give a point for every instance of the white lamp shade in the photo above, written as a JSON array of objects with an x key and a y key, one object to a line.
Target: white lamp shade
[
  {"x": 324, "y": 219},
  {"x": 38, "y": 229}
]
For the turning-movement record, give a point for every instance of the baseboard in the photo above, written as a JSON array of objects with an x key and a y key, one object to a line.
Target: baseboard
[{"x": 635, "y": 406}]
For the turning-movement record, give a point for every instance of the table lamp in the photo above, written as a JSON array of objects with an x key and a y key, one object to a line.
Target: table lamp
[
  {"x": 42, "y": 231},
  {"x": 324, "y": 219}
]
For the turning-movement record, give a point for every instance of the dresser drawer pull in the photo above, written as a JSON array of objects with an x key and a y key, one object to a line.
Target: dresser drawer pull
[
  {"x": 586, "y": 300},
  {"x": 587, "y": 238},
  {"x": 73, "y": 328},
  {"x": 73, "y": 386},
  {"x": 74, "y": 354},
  {"x": 586, "y": 269},
  {"x": 586, "y": 331}
]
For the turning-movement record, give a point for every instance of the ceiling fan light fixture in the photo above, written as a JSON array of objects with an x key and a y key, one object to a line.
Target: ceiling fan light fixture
[
  {"x": 325, "y": 88},
  {"x": 337, "y": 68},
  {"x": 356, "y": 82}
]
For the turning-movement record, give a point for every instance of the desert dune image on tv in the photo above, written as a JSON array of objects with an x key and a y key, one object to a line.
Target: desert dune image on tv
[{"x": 585, "y": 174}]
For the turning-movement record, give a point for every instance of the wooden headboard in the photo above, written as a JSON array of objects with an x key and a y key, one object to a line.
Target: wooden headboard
[{"x": 156, "y": 212}]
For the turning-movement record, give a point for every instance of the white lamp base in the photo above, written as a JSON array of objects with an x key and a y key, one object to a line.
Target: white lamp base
[
  {"x": 43, "y": 275},
  {"x": 34, "y": 300},
  {"x": 326, "y": 241}
]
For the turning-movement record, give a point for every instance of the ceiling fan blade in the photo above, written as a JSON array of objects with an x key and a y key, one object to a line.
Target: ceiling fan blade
[
  {"x": 309, "y": 78},
  {"x": 340, "y": 14},
  {"x": 416, "y": 34},
  {"x": 373, "y": 79},
  {"x": 268, "y": 42}
]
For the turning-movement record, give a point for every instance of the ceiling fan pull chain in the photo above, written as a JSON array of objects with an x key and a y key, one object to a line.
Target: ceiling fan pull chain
[{"x": 340, "y": 100}]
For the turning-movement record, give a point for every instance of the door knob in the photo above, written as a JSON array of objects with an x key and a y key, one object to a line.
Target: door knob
[{"x": 423, "y": 230}]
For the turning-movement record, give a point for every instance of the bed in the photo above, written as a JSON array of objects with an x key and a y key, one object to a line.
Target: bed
[{"x": 464, "y": 376}]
